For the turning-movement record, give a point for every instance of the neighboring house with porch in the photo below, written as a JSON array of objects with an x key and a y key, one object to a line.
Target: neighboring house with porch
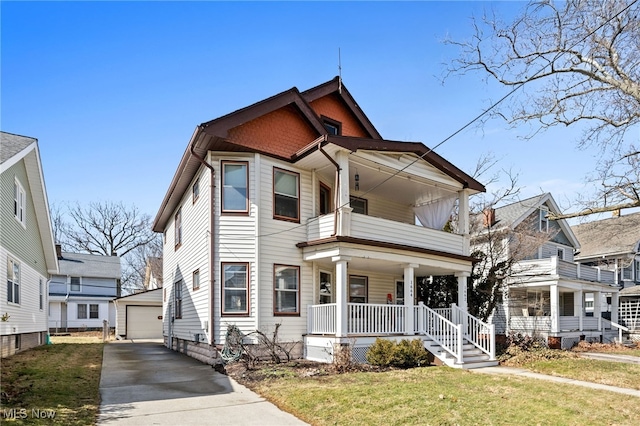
[
  {"x": 81, "y": 295},
  {"x": 27, "y": 251},
  {"x": 613, "y": 244},
  {"x": 548, "y": 294},
  {"x": 295, "y": 211}
]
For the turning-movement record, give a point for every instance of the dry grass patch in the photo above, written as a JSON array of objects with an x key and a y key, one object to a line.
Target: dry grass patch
[
  {"x": 443, "y": 396},
  {"x": 63, "y": 378}
]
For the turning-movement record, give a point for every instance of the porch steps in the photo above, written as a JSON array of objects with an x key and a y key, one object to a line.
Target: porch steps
[{"x": 472, "y": 357}]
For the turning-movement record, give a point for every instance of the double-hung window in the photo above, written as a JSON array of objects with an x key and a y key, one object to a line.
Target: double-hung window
[
  {"x": 286, "y": 290},
  {"x": 13, "y": 281},
  {"x": 75, "y": 283},
  {"x": 94, "y": 311},
  {"x": 177, "y": 299},
  {"x": 178, "y": 228},
  {"x": 195, "y": 190},
  {"x": 286, "y": 199},
  {"x": 235, "y": 288},
  {"x": 544, "y": 221},
  {"x": 235, "y": 187},
  {"x": 358, "y": 289},
  {"x": 195, "y": 278},
  {"x": 82, "y": 311},
  {"x": 19, "y": 202}
]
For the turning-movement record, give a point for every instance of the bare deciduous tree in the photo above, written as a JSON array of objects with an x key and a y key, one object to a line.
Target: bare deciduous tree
[
  {"x": 108, "y": 228},
  {"x": 575, "y": 62}
]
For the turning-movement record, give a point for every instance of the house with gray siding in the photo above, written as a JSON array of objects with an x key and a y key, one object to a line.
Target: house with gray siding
[
  {"x": 295, "y": 213},
  {"x": 81, "y": 295},
  {"x": 548, "y": 294},
  {"x": 27, "y": 252}
]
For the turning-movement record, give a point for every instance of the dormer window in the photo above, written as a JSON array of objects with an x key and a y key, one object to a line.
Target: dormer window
[
  {"x": 333, "y": 127},
  {"x": 544, "y": 221}
]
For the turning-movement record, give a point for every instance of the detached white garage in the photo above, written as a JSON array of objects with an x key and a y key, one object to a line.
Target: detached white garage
[{"x": 139, "y": 315}]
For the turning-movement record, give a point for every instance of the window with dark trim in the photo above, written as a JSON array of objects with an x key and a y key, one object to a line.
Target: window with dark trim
[
  {"x": 358, "y": 289},
  {"x": 13, "y": 281},
  {"x": 325, "y": 199},
  {"x": 235, "y": 187},
  {"x": 196, "y": 279},
  {"x": 41, "y": 294},
  {"x": 177, "y": 299},
  {"x": 178, "y": 228},
  {"x": 195, "y": 190},
  {"x": 359, "y": 205},
  {"x": 286, "y": 288},
  {"x": 94, "y": 311},
  {"x": 235, "y": 288},
  {"x": 333, "y": 127},
  {"x": 286, "y": 199}
]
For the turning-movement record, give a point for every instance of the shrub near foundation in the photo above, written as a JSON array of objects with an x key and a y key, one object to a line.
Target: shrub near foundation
[{"x": 405, "y": 354}]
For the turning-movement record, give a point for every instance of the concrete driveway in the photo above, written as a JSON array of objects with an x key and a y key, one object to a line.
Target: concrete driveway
[{"x": 147, "y": 384}]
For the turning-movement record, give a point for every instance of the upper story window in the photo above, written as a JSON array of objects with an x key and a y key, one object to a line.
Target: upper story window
[
  {"x": 286, "y": 190},
  {"x": 195, "y": 190},
  {"x": 178, "y": 228},
  {"x": 359, "y": 205},
  {"x": 544, "y": 221},
  {"x": 560, "y": 253},
  {"x": 333, "y": 127},
  {"x": 19, "y": 203},
  {"x": 235, "y": 187},
  {"x": 638, "y": 271},
  {"x": 286, "y": 285},
  {"x": 13, "y": 281},
  {"x": 75, "y": 284}
]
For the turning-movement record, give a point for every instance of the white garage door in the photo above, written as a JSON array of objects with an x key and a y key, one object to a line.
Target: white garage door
[{"x": 143, "y": 322}]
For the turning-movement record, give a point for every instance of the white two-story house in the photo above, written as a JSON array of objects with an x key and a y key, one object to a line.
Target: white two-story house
[
  {"x": 27, "y": 252},
  {"x": 547, "y": 294},
  {"x": 81, "y": 295},
  {"x": 295, "y": 211}
]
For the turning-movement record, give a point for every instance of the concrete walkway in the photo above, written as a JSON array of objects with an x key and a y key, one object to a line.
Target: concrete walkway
[
  {"x": 145, "y": 383},
  {"x": 526, "y": 373}
]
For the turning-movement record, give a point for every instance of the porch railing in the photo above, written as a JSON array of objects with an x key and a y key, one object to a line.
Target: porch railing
[
  {"x": 477, "y": 332},
  {"x": 441, "y": 330},
  {"x": 366, "y": 318},
  {"x": 321, "y": 319}
]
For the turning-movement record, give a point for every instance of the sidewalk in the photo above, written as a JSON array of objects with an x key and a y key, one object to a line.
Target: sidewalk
[{"x": 526, "y": 373}]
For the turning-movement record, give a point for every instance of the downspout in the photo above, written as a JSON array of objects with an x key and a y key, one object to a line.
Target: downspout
[
  {"x": 336, "y": 190},
  {"x": 212, "y": 240}
]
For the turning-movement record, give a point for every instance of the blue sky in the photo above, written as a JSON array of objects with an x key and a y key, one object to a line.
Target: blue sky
[{"x": 114, "y": 90}]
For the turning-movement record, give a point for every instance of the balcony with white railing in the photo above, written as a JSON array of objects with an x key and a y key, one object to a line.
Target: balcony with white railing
[
  {"x": 562, "y": 269},
  {"x": 386, "y": 231}
]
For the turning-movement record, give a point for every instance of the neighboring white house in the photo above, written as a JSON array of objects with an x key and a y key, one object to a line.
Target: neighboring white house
[
  {"x": 548, "y": 294},
  {"x": 153, "y": 273},
  {"x": 139, "y": 315},
  {"x": 81, "y": 295},
  {"x": 27, "y": 252},
  {"x": 613, "y": 244},
  {"x": 295, "y": 211}
]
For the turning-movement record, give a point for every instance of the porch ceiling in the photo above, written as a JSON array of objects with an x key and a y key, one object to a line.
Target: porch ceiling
[
  {"x": 384, "y": 261},
  {"x": 381, "y": 180}
]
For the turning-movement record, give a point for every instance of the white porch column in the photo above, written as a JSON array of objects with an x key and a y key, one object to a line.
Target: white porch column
[
  {"x": 408, "y": 298},
  {"x": 555, "y": 305},
  {"x": 578, "y": 308},
  {"x": 463, "y": 219},
  {"x": 343, "y": 207},
  {"x": 342, "y": 284},
  {"x": 462, "y": 290},
  {"x": 597, "y": 308},
  {"x": 615, "y": 302}
]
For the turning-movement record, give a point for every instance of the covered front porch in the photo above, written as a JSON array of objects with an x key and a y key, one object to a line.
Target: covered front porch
[
  {"x": 365, "y": 292},
  {"x": 564, "y": 311}
]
